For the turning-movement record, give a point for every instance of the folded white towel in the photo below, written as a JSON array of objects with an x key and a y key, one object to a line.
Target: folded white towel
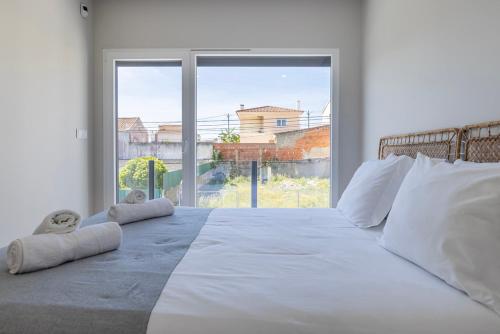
[
  {"x": 42, "y": 251},
  {"x": 136, "y": 196},
  {"x": 123, "y": 213},
  {"x": 62, "y": 221}
]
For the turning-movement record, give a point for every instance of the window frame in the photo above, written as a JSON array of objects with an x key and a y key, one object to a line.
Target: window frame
[
  {"x": 281, "y": 122},
  {"x": 188, "y": 57}
]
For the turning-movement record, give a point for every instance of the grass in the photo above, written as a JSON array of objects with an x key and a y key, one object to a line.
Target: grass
[{"x": 279, "y": 192}]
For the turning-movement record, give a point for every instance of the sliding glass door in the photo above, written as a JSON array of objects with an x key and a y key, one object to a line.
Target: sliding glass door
[
  {"x": 221, "y": 129},
  {"x": 149, "y": 128}
]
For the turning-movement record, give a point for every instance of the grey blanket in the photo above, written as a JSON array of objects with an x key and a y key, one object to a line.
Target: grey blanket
[{"x": 110, "y": 293}]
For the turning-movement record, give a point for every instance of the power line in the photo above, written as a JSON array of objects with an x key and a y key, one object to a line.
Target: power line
[
  {"x": 211, "y": 117},
  {"x": 236, "y": 131},
  {"x": 224, "y": 117},
  {"x": 236, "y": 125},
  {"x": 251, "y": 121}
]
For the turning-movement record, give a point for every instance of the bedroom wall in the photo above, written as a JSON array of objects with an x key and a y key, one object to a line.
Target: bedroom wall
[
  {"x": 44, "y": 96},
  {"x": 429, "y": 64},
  {"x": 239, "y": 24}
]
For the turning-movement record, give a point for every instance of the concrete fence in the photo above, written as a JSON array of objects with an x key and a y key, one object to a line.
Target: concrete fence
[{"x": 163, "y": 151}]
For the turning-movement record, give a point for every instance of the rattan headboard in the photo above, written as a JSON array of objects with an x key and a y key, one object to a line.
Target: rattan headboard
[
  {"x": 481, "y": 142},
  {"x": 442, "y": 144}
]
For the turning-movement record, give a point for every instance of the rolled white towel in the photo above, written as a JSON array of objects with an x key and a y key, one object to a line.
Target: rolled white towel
[
  {"x": 123, "y": 213},
  {"x": 43, "y": 251},
  {"x": 136, "y": 196},
  {"x": 62, "y": 221}
]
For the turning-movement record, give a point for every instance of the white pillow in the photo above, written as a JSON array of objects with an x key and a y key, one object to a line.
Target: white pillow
[
  {"x": 369, "y": 196},
  {"x": 446, "y": 219}
]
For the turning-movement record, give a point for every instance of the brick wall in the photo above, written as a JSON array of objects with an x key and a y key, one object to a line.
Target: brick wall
[
  {"x": 314, "y": 138},
  {"x": 293, "y": 145}
]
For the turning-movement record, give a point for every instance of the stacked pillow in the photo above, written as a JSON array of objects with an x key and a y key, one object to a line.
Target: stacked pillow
[
  {"x": 443, "y": 217},
  {"x": 369, "y": 196},
  {"x": 446, "y": 219}
]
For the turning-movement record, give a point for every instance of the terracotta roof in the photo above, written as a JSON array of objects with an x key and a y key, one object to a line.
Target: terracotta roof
[
  {"x": 269, "y": 109},
  {"x": 313, "y": 128},
  {"x": 126, "y": 123},
  {"x": 170, "y": 128}
]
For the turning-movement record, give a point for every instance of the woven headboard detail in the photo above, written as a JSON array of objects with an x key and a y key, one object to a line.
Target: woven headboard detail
[
  {"x": 481, "y": 142},
  {"x": 442, "y": 144}
]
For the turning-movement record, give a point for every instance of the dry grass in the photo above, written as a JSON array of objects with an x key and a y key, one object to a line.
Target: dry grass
[{"x": 279, "y": 192}]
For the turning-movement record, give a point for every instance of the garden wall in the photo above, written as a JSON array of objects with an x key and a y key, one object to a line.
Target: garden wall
[
  {"x": 163, "y": 151},
  {"x": 312, "y": 143}
]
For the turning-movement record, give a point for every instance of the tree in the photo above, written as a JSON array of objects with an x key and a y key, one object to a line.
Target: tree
[
  {"x": 228, "y": 136},
  {"x": 134, "y": 174}
]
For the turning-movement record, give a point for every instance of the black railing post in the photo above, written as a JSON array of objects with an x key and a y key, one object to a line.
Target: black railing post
[
  {"x": 254, "y": 184},
  {"x": 151, "y": 178}
]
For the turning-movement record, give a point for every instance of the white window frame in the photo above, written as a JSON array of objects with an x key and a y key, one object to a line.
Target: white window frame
[
  {"x": 188, "y": 58},
  {"x": 281, "y": 122}
]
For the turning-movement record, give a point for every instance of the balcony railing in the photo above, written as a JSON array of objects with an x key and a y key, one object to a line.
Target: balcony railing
[{"x": 250, "y": 184}]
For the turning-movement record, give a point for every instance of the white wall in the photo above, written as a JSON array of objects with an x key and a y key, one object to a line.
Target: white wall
[
  {"x": 429, "y": 64},
  {"x": 240, "y": 24},
  {"x": 45, "y": 72}
]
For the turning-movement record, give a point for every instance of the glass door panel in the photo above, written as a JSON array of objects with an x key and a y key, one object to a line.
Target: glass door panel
[
  {"x": 263, "y": 131},
  {"x": 149, "y": 128}
]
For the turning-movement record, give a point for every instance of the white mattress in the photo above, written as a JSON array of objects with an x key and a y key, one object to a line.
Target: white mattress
[{"x": 305, "y": 271}]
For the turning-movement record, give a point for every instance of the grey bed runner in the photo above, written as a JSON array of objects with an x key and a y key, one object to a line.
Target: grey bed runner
[{"x": 109, "y": 293}]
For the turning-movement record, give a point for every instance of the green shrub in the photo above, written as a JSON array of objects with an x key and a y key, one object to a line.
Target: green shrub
[
  {"x": 134, "y": 174},
  {"x": 216, "y": 158},
  {"x": 229, "y": 136}
]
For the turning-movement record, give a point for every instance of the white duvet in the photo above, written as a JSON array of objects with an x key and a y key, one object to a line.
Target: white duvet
[{"x": 305, "y": 271}]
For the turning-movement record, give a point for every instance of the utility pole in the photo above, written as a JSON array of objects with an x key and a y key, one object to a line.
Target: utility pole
[
  {"x": 228, "y": 116},
  {"x": 308, "y": 116}
]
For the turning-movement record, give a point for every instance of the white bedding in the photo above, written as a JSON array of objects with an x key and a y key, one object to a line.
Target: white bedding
[{"x": 305, "y": 271}]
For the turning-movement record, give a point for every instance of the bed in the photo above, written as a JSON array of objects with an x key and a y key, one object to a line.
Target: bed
[{"x": 253, "y": 271}]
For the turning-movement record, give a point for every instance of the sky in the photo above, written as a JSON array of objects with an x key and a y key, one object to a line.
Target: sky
[{"x": 155, "y": 94}]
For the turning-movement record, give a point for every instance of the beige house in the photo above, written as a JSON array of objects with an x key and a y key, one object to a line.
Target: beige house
[
  {"x": 132, "y": 130},
  {"x": 260, "y": 124},
  {"x": 171, "y": 133}
]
